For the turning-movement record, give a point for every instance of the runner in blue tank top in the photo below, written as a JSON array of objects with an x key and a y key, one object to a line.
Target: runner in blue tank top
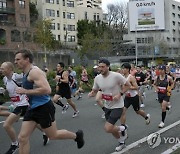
[{"x": 42, "y": 110}]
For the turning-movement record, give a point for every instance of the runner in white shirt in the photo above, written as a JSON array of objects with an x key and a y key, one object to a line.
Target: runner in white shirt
[
  {"x": 131, "y": 96},
  {"x": 19, "y": 103},
  {"x": 110, "y": 83}
]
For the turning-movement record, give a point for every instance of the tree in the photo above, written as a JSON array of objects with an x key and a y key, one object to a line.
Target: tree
[
  {"x": 44, "y": 35},
  {"x": 33, "y": 13}
]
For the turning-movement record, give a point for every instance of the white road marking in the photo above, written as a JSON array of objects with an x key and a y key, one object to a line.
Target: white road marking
[
  {"x": 144, "y": 139},
  {"x": 175, "y": 147}
]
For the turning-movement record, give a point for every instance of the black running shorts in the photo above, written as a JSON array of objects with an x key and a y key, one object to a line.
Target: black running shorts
[
  {"x": 43, "y": 115},
  {"x": 163, "y": 97},
  {"x": 113, "y": 115},
  {"x": 20, "y": 110},
  {"x": 134, "y": 101}
]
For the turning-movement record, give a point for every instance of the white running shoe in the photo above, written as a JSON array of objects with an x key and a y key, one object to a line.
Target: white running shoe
[
  {"x": 148, "y": 119},
  {"x": 75, "y": 114},
  {"x": 120, "y": 147},
  {"x": 161, "y": 125},
  {"x": 103, "y": 116},
  {"x": 65, "y": 108},
  {"x": 142, "y": 105}
]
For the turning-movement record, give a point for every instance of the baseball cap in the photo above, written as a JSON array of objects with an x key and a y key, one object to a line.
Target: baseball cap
[
  {"x": 95, "y": 66},
  {"x": 105, "y": 61},
  {"x": 162, "y": 67}
]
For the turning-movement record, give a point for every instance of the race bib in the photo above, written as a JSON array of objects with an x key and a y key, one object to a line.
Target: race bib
[
  {"x": 128, "y": 94},
  {"x": 15, "y": 99},
  {"x": 138, "y": 78},
  {"x": 162, "y": 90},
  {"x": 107, "y": 97}
]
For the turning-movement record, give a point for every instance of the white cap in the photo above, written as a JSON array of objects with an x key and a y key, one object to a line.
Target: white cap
[{"x": 95, "y": 66}]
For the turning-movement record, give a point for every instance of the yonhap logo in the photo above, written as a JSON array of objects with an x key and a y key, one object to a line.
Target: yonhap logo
[{"x": 153, "y": 140}]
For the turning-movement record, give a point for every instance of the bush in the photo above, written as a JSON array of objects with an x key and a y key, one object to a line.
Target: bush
[{"x": 2, "y": 41}]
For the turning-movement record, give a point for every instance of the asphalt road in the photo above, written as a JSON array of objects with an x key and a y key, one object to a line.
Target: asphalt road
[{"x": 90, "y": 121}]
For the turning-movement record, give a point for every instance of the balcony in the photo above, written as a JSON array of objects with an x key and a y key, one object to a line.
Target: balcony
[
  {"x": 7, "y": 23},
  {"x": 7, "y": 10}
]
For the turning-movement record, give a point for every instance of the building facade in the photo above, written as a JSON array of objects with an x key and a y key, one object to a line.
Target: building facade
[
  {"x": 154, "y": 30},
  {"x": 15, "y": 31}
]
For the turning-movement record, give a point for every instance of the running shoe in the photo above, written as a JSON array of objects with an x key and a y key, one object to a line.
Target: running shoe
[
  {"x": 46, "y": 139},
  {"x": 120, "y": 147},
  {"x": 12, "y": 149},
  {"x": 103, "y": 116},
  {"x": 142, "y": 105},
  {"x": 80, "y": 139},
  {"x": 161, "y": 125},
  {"x": 65, "y": 108},
  {"x": 79, "y": 97},
  {"x": 75, "y": 114},
  {"x": 148, "y": 119}
]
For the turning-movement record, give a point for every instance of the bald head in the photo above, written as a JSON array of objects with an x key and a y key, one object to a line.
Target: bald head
[{"x": 7, "y": 68}]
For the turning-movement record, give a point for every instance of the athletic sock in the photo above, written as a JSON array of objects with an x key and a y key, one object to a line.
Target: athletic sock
[
  {"x": 15, "y": 143},
  {"x": 60, "y": 103},
  {"x": 163, "y": 116}
]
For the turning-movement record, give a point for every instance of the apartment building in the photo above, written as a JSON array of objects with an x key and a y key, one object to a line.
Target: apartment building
[
  {"x": 154, "y": 30},
  {"x": 15, "y": 32},
  {"x": 64, "y": 19}
]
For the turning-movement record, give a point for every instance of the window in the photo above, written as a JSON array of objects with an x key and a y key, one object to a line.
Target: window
[
  {"x": 53, "y": 26},
  {"x": 85, "y": 15},
  {"x": 179, "y": 8},
  {"x": 63, "y": 2},
  {"x": 173, "y": 6},
  {"x": 3, "y": 4},
  {"x": 174, "y": 39},
  {"x": 95, "y": 17},
  {"x": 15, "y": 36},
  {"x": 173, "y": 14},
  {"x": 50, "y": 1},
  {"x": 64, "y": 27},
  {"x": 3, "y": 17},
  {"x": 98, "y": 17},
  {"x": 21, "y": 4},
  {"x": 57, "y": 1},
  {"x": 168, "y": 39},
  {"x": 22, "y": 17},
  {"x": 174, "y": 23},
  {"x": 70, "y": 15},
  {"x": 59, "y": 37},
  {"x": 70, "y": 3},
  {"x": 50, "y": 13},
  {"x": 64, "y": 15},
  {"x": 179, "y": 15},
  {"x": 57, "y": 13},
  {"x": 58, "y": 26},
  {"x": 27, "y": 36},
  {"x": 71, "y": 38},
  {"x": 71, "y": 27}
]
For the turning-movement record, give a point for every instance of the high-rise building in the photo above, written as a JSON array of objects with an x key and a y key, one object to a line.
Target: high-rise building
[{"x": 154, "y": 29}]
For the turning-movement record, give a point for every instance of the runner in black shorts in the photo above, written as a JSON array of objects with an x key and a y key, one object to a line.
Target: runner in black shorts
[{"x": 162, "y": 86}]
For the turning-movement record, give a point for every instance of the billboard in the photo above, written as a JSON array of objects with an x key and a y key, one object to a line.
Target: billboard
[{"x": 146, "y": 15}]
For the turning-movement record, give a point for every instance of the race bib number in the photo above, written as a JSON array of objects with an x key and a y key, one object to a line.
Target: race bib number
[
  {"x": 162, "y": 90},
  {"x": 138, "y": 78},
  {"x": 15, "y": 99},
  {"x": 107, "y": 97}
]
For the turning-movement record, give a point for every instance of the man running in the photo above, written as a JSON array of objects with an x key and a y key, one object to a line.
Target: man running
[
  {"x": 20, "y": 104},
  {"x": 64, "y": 90},
  {"x": 41, "y": 110},
  {"x": 110, "y": 83},
  {"x": 161, "y": 85},
  {"x": 131, "y": 96}
]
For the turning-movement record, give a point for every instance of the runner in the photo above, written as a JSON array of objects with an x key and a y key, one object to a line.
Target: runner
[
  {"x": 63, "y": 90},
  {"x": 131, "y": 96},
  {"x": 161, "y": 85},
  {"x": 18, "y": 108},
  {"x": 110, "y": 83},
  {"x": 41, "y": 110}
]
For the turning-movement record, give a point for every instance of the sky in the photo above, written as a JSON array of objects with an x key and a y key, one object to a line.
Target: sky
[{"x": 106, "y": 2}]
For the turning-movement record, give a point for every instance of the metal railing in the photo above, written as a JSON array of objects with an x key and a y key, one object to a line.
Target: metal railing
[{"x": 7, "y": 10}]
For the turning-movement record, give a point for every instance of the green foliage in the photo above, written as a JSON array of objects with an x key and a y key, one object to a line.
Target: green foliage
[
  {"x": 44, "y": 34},
  {"x": 33, "y": 12}
]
